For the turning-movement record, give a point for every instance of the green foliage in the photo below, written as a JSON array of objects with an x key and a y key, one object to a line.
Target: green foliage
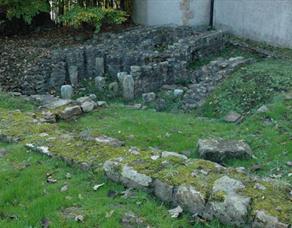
[
  {"x": 24, "y": 9},
  {"x": 77, "y": 17}
]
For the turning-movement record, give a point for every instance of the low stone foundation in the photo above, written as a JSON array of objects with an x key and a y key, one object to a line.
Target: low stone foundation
[{"x": 154, "y": 56}]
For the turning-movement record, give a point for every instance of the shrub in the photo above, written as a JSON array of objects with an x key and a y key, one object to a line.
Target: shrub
[
  {"x": 78, "y": 17},
  {"x": 24, "y": 9}
]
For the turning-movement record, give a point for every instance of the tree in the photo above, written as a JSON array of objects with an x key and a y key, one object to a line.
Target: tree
[{"x": 24, "y": 9}]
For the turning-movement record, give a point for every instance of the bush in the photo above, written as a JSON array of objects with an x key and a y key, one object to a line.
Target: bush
[
  {"x": 96, "y": 17},
  {"x": 24, "y": 9}
]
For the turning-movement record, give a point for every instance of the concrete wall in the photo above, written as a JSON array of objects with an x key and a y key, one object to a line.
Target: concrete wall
[
  {"x": 176, "y": 12},
  {"x": 262, "y": 20}
]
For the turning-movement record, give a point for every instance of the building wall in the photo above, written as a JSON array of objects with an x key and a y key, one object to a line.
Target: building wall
[
  {"x": 262, "y": 20},
  {"x": 175, "y": 12}
]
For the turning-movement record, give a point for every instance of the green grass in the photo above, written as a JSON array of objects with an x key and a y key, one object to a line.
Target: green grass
[
  {"x": 179, "y": 132},
  {"x": 26, "y": 198},
  {"x": 172, "y": 132},
  {"x": 249, "y": 88},
  {"x": 11, "y": 103},
  {"x": 227, "y": 52}
]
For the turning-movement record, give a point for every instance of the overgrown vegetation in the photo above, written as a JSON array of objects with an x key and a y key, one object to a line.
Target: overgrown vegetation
[
  {"x": 95, "y": 17},
  {"x": 249, "y": 88}
]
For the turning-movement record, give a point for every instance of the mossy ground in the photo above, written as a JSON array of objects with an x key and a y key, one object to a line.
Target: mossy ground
[
  {"x": 269, "y": 135},
  {"x": 26, "y": 198}
]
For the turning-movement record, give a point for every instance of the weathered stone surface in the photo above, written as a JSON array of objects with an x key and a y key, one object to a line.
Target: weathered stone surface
[
  {"x": 134, "y": 179},
  {"x": 227, "y": 204},
  {"x": 88, "y": 106},
  {"x": 66, "y": 91},
  {"x": 160, "y": 105},
  {"x": 219, "y": 150},
  {"x": 190, "y": 199},
  {"x": 100, "y": 83},
  {"x": 264, "y": 220},
  {"x": 263, "y": 109},
  {"x": 148, "y": 97},
  {"x": 128, "y": 87},
  {"x": 178, "y": 92},
  {"x": 112, "y": 170},
  {"x": 163, "y": 191},
  {"x": 113, "y": 87},
  {"x": 166, "y": 154},
  {"x": 101, "y": 104},
  {"x": 130, "y": 220},
  {"x": 109, "y": 141},
  {"x": 49, "y": 117},
  {"x": 81, "y": 100},
  {"x": 70, "y": 112},
  {"x": 100, "y": 67},
  {"x": 49, "y": 101},
  {"x": 73, "y": 75},
  {"x": 39, "y": 149},
  {"x": 232, "y": 117}
]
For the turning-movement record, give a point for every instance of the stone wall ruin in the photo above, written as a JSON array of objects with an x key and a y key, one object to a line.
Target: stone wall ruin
[{"x": 154, "y": 56}]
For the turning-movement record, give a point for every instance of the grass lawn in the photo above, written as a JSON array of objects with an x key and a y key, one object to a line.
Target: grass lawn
[{"x": 27, "y": 200}]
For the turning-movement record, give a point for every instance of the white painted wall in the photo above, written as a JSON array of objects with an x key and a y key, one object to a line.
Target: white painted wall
[
  {"x": 163, "y": 12},
  {"x": 262, "y": 20}
]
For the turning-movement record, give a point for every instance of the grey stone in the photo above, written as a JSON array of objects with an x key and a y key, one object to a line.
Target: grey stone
[
  {"x": 130, "y": 220},
  {"x": 101, "y": 103},
  {"x": 259, "y": 186},
  {"x": 70, "y": 112},
  {"x": 163, "y": 191},
  {"x": 190, "y": 199},
  {"x": 263, "y": 109},
  {"x": 3, "y": 152},
  {"x": 233, "y": 208},
  {"x": 232, "y": 117},
  {"x": 264, "y": 220},
  {"x": 88, "y": 106},
  {"x": 121, "y": 76},
  {"x": 100, "y": 83},
  {"x": 175, "y": 212},
  {"x": 113, "y": 87},
  {"x": 131, "y": 178},
  {"x": 219, "y": 150},
  {"x": 49, "y": 117},
  {"x": 128, "y": 87},
  {"x": 49, "y": 101},
  {"x": 166, "y": 154},
  {"x": 92, "y": 96},
  {"x": 160, "y": 105},
  {"x": 148, "y": 97},
  {"x": 73, "y": 75},
  {"x": 66, "y": 91},
  {"x": 112, "y": 170},
  {"x": 99, "y": 61},
  {"x": 39, "y": 149},
  {"x": 178, "y": 92},
  {"x": 109, "y": 141},
  {"x": 81, "y": 100}
]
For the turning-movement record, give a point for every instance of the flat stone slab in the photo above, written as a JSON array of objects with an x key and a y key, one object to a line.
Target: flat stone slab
[
  {"x": 219, "y": 150},
  {"x": 109, "y": 141}
]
